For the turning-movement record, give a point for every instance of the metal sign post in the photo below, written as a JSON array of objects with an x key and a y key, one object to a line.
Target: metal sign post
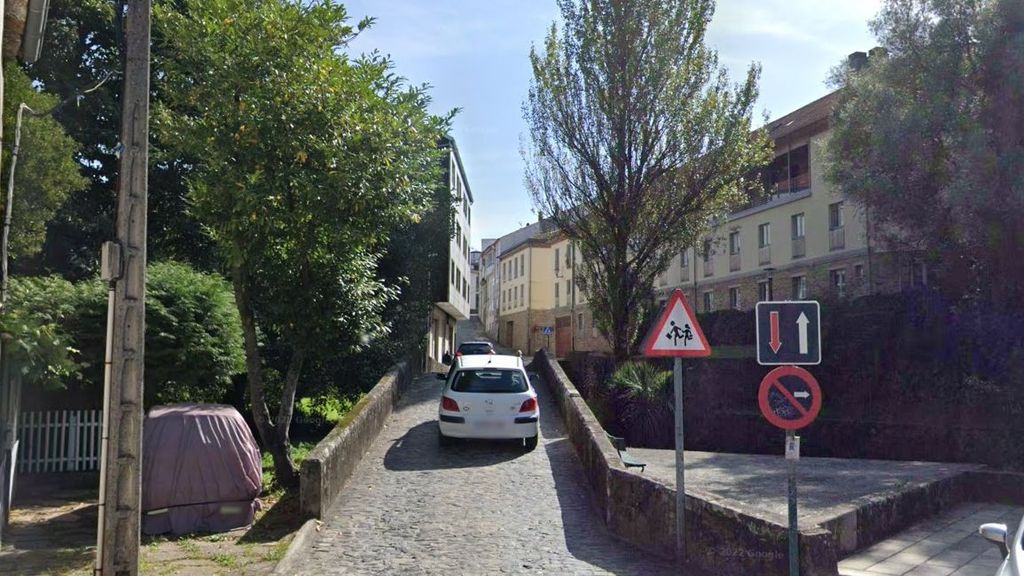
[
  {"x": 677, "y": 335},
  {"x": 792, "y": 457},
  {"x": 680, "y": 469}
]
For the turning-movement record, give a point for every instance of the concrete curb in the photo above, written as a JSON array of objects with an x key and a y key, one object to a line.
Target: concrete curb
[{"x": 303, "y": 537}]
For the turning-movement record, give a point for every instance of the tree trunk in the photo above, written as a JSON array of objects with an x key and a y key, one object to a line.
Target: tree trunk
[{"x": 278, "y": 446}]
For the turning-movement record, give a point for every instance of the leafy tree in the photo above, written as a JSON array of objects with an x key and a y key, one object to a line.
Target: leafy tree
[
  {"x": 638, "y": 141},
  {"x": 931, "y": 140},
  {"x": 46, "y": 173},
  {"x": 81, "y": 47},
  {"x": 193, "y": 335},
  {"x": 307, "y": 160}
]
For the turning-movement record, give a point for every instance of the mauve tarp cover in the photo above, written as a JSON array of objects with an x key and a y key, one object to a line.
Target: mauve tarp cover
[{"x": 201, "y": 463}]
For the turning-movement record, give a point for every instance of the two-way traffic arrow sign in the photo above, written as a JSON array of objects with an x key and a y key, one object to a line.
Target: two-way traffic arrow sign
[{"x": 788, "y": 333}]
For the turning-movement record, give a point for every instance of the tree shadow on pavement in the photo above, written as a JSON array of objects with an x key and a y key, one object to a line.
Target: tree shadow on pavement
[{"x": 419, "y": 449}]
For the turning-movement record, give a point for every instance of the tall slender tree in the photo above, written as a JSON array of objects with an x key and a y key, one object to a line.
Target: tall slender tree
[{"x": 638, "y": 140}]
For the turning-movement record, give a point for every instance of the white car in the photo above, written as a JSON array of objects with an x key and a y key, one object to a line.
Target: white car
[
  {"x": 1009, "y": 544},
  {"x": 488, "y": 397}
]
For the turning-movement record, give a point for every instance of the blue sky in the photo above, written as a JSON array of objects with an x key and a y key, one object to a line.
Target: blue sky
[{"x": 475, "y": 55}]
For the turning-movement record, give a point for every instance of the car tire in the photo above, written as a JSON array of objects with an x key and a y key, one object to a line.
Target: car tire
[
  {"x": 530, "y": 443},
  {"x": 443, "y": 440}
]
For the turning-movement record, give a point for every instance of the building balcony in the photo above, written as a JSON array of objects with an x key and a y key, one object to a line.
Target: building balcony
[
  {"x": 799, "y": 247},
  {"x": 764, "y": 255},
  {"x": 837, "y": 238},
  {"x": 734, "y": 262}
]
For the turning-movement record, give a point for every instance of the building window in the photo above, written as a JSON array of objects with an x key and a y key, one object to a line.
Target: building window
[
  {"x": 709, "y": 301},
  {"x": 790, "y": 172},
  {"x": 764, "y": 290},
  {"x": 764, "y": 235},
  {"x": 684, "y": 258},
  {"x": 835, "y": 216},
  {"x": 557, "y": 261},
  {"x": 568, "y": 292},
  {"x": 706, "y": 253},
  {"x": 858, "y": 271},
  {"x": 556, "y": 294},
  {"x": 799, "y": 287},
  {"x": 797, "y": 221},
  {"x": 579, "y": 321},
  {"x": 734, "y": 298},
  {"x": 734, "y": 243},
  {"x": 453, "y": 272},
  {"x": 522, "y": 263},
  {"x": 837, "y": 278}
]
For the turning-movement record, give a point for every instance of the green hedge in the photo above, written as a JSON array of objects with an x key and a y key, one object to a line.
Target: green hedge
[{"x": 193, "y": 335}]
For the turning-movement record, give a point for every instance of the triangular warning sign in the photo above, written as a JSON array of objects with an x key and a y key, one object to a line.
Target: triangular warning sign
[{"x": 677, "y": 333}]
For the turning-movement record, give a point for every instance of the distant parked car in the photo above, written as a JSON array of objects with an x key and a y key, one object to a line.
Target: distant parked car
[
  {"x": 1009, "y": 544},
  {"x": 474, "y": 348},
  {"x": 488, "y": 397}
]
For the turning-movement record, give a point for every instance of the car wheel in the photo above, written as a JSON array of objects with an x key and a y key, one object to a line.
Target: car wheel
[
  {"x": 443, "y": 440},
  {"x": 530, "y": 443}
]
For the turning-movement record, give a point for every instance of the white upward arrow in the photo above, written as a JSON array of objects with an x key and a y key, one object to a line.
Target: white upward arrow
[
  {"x": 802, "y": 323},
  {"x": 802, "y": 394}
]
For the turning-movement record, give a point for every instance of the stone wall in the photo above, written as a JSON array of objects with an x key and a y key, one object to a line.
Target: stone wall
[
  {"x": 640, "y": 510},
  {"x": 330, "y": 464}
]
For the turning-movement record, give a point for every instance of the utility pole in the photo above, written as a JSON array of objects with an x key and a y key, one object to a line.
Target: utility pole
[{"x": 117, "y": 550}]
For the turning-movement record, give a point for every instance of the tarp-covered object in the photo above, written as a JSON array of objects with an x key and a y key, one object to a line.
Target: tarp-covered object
[{"x": 201, "y": 470}]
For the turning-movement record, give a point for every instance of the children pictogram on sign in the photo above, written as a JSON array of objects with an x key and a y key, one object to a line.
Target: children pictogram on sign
[{"x": 676, "y": 333}]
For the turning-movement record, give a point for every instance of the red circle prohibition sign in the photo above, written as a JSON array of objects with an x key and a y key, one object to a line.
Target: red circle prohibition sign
[{"x": 773, "y": 382}]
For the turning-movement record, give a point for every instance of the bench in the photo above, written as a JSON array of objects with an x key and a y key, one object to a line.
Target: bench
[{"x": 627, "y": 459}]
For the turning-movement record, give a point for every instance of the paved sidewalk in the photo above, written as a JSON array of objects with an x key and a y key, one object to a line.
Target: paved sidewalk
[
  {"x": 946, "y": 545},
  {"x": 827, "y": 487}
]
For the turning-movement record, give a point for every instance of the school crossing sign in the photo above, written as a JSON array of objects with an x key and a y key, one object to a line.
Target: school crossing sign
[{"x": 676, "y": 333}]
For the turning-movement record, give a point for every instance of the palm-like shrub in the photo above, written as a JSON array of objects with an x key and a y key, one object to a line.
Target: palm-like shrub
[{"x": 642, "y": 406}]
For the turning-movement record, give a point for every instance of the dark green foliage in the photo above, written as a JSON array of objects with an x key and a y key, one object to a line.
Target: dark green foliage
[
  {"x": 193, "y": 339},
  {"x": 931, "y": 139},
  {"x": 643, "y": 406}
]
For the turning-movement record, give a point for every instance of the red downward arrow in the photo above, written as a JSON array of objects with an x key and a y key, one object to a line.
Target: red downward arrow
[{"x": 775, "y": 343}]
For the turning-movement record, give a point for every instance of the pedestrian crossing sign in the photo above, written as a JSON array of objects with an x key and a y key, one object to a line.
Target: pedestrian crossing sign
[{"x": 676, "y": 333}]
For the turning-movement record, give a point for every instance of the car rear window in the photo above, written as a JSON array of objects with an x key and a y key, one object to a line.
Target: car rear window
[
  {"x": 470, "y": 349},
  {"x": 490, "y": 381}
]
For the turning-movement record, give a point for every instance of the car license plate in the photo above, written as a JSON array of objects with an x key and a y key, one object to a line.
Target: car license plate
[{"x": 489, "y": 424}]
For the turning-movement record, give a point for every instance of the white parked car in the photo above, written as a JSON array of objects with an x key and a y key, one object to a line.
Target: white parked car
[
  {"x": 488, "y": 397},
  {"x": 1009, "y": 544}
]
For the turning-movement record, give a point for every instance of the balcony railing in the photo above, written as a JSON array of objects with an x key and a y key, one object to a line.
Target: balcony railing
[
  {"x": 734, "y": 262},
  {"x": 837, "y": 238},
  {"x": 709, "y": 267},
  {"x": 799, "y": 247},
  {"x": 764, "y": 255}
]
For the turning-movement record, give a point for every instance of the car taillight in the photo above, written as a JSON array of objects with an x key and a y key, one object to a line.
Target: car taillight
[
  {"x": 458, "y": 354},
  {"x": 529, "y": 405},
  {"x": 449, "y": 404}
]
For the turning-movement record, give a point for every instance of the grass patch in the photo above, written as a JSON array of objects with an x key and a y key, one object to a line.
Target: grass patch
[
  {"x": 190, "y": 547},
  {"x": 277, "y": 552},
  {"x": 299, "y": 452},
  {"x": 225, "y": 560},
  {"x": 330, "y": 410}
]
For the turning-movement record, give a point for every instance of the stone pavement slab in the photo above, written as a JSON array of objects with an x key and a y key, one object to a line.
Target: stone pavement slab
[
  {"x": 945, "y": 545},
  {"x": 827, "y": 487}
]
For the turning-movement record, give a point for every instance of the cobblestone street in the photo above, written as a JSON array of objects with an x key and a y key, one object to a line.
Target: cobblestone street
[{"x": 413, "y": 507}]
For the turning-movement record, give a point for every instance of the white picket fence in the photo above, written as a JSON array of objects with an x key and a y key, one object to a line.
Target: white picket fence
[{"x": 59, "y": 441}]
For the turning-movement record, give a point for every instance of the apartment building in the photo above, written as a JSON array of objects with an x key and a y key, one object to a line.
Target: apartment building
[
  {"x": 489, "y": 286},
  {"x": 452, "y": 297},
  {"x": 804, "y": 240},
  {"x": 574, "y": 322},
  {"x": 474, "y": 282}
]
